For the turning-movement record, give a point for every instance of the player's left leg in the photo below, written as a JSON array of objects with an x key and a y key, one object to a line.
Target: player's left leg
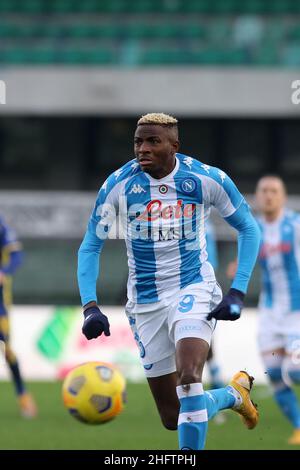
[
  {"x": 216, "y": 380},
  {"x": 191, "y": 354},
  {"x": 214, "y": 370},
  {"x": 197, "y": 406},
  {"x": 192, "y": 333}
]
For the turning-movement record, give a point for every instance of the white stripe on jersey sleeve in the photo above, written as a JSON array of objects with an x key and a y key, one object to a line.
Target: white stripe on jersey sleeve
[{"x": 215, "y": 195}]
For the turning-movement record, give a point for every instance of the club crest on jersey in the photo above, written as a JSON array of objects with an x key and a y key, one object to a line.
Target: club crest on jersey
[
  {"x": 163, "y": 189},
  {"x": 188, "y": 185}
]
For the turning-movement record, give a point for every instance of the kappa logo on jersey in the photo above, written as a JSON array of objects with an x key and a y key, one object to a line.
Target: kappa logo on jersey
[
  {"x": 117, "y": 173},
  {"x": 134, "y": 166},
  {"x": 188, "y": 161},
  {"x": 222, "y": 175},
  {"x": 104, "y": 186},
  {"x": 137, "y": 189},
  {"x": 188, "y": 185},
  {"x": 205, "y": 167}
]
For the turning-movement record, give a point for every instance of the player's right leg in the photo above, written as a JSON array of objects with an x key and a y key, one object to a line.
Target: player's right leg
[
  {"x": 26, "y": 403},
  {"x": 150, "y": 331},
  {"x": 163, "y": 389},
  {"x": 272, "y": 345}
]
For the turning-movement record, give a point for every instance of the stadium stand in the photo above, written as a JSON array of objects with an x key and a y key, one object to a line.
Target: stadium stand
[{"x": 150, "y": 32}]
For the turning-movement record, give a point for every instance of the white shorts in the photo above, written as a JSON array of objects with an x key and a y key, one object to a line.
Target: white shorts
[
  {"x": 278, "y": 329},
  {"x": 184, "y": 316}
]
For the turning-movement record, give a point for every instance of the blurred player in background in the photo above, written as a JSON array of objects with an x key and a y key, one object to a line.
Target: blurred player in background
[
  {"x": 174, "y": 300},
  {"x": 279, "y": 303},
  {"x": 10, "y": 260},
  {"x": 212, "y": 253}
]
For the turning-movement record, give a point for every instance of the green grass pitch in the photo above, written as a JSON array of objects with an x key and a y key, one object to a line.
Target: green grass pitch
[{"x": 137, "y": 428}]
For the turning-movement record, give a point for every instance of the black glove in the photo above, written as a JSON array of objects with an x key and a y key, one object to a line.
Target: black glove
[
  {"x": 95, "y": 323},
  {"x": 230, "y": 308}
]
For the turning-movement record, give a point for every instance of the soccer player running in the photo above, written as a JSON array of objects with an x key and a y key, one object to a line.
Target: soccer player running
[
  {"x": 174, "y": 301},
  {"x": 279, "y": 304},
  {"x": 10, "y": 260}
]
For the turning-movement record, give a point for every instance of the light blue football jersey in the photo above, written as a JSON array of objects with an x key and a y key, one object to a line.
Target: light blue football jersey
[
  {"x": 164, "y": 221},
  {"x": 279, "y": 258},
  {"x": 211, "y": 245}
]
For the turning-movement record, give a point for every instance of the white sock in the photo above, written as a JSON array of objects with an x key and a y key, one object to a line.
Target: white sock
[{"x": 237, "y": 396}]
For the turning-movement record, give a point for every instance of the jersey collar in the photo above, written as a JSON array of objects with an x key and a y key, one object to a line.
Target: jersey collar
[{"x": 165, "y": 178}]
